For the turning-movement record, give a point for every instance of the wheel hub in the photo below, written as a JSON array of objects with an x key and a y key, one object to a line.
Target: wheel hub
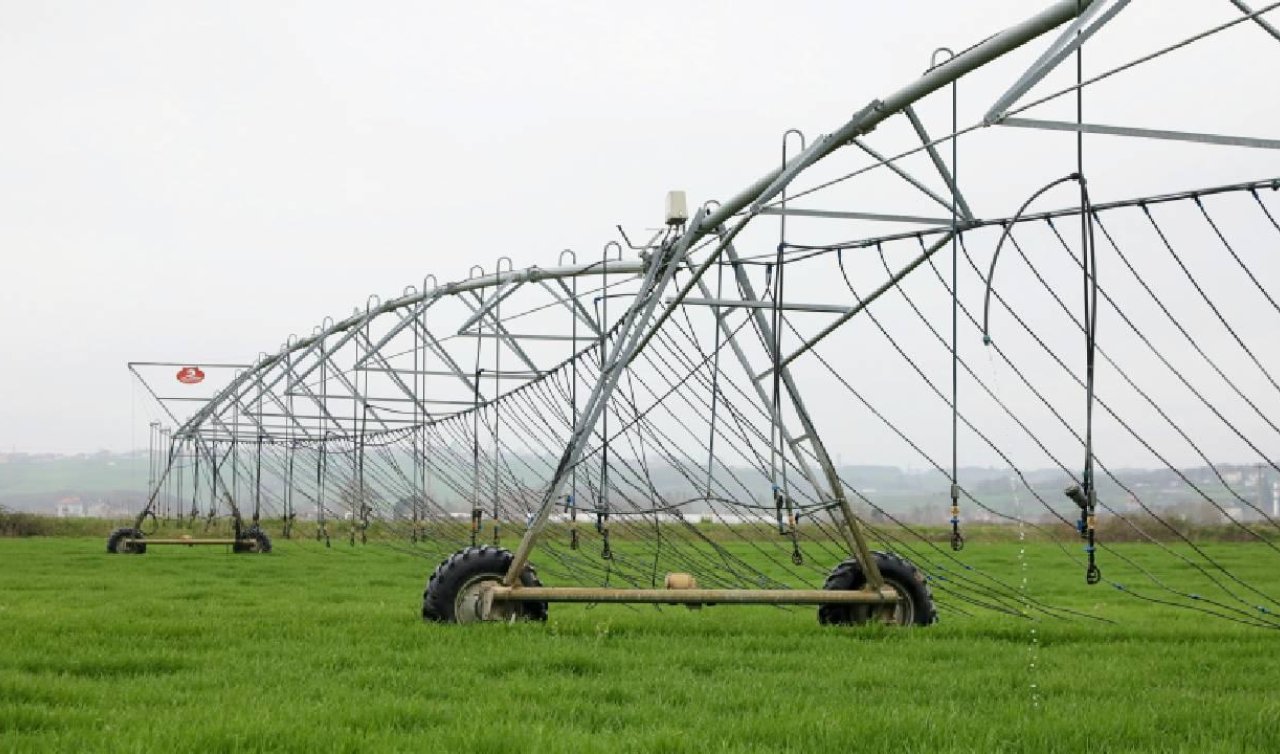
[{"x": 469, "y": 606}]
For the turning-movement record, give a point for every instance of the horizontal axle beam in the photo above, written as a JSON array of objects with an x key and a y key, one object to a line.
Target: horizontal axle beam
[
  {"x": 181, "y": 541},
  {"x": 886, "y": 596}
]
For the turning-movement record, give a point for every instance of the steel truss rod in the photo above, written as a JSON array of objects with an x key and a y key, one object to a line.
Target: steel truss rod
[
  {"x": 357, "y": 320},
  {"x": 851, "y": 529},
  {"x": 500, "y": 294},
  {"x": 1145, "y": 133},
  {"x": 1066, "y": 43},
  {"x": 1267, "y": 183},
  {"x": 500, "y": 331},
  {"x": 396, "y": 329},
  {"x": 488, "y": 374},
  {"x": 574, "y": 305},
  {"x": 863, "y": 304},
  {"x": 394, "y": 375},
  {"x": 203, "y": 364},
  {"x": 372, "y": 401},
  {"x": 1264, "y": 23},
  {"x": 860, "y": 144},
  {"x": 430, "y": 341},
  {"x": 734, "y": 303},
  {"x": 507, "y": 336},
  {"x": 276, "y": 415},
  {"x": 728, "y": 335},
  {"x": 845, "y": 215},
  {"x": 962, "y": 206},
  {"x": 321, "y": 402}
]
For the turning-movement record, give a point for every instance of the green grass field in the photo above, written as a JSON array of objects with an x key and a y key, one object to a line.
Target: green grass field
[{"x": 309, "y": 649}]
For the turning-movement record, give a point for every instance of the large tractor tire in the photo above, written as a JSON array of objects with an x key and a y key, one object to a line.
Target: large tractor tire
[
  {"x": 117, "y": 544},
  {"x": 453, "y": 591},
  {"x": 254, "y": 540},
  {"x": 916, "y": 607}
]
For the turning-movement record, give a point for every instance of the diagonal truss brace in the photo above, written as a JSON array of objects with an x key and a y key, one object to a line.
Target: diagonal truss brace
[
  {"x": 1259, "y": 20},
  {"x": 1146, "y": 133},
  {"x": 962, "y": 207},
  {"x": 1071, "y": 38},
  {"x": 849, "y": 525}
]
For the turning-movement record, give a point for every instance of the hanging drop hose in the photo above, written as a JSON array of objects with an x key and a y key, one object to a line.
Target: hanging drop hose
[
  {"x": 957, "y": 539},
  {"x": 1084, "y": 495},
  {"x": 477, "y": 514}
]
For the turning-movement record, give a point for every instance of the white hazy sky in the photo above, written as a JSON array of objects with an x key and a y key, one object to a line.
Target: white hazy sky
[{"x": 194, "y": 181}]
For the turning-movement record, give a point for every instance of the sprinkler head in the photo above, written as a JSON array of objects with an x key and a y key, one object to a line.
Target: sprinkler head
[{"x": 1076, "y": 494}]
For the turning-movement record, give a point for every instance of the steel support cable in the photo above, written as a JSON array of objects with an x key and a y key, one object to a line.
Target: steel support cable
[
  {"x": 686, "y": 361},
  {"x": 935, "y": 390},
  {"x": 1116, "y": 417},
  {"x": 679, "y": 354},
  {"x": 1056, "y": 414},
  {"x": 1111, "y": 551},
  {"x": 730, "y": 470},
  {"x": 648, "y": 476},
  {"x": 941, "y": 396},
  {"x": 1262, "y": 205},
  {"x": 973, "y": 428},
  {"x": 938, "y": 573},
  {"x": 1213, "y": 307},
  {"x": 1164, "y": 415},
  {"x": 400, "y": 490},
  {"x": 938, "y": 467},
  {"x": 736, "y": 414},
  {"x": 696, "y": 439},
  {"x": 867, "y": 501},
  {"x": 754, "y": 525},
  {"x": 1177, "y": 373},
  {"x": 1124, "y": 375},
  {"x": 1231, "y": 250},
  {"x": 1066, "y": 425}
]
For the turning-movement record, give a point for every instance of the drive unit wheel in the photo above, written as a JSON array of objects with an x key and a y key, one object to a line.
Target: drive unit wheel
[
  {"x": 916, "y": 607},
  {"x": 254, "y": 540},
  {"x": 117, "y": 544},
  {"x": 453, "y": 591}
]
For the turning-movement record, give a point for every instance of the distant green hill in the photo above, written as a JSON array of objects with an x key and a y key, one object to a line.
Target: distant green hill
[{"x": 23, "y": 475}]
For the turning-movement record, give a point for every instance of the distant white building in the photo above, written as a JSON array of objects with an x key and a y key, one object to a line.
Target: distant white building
[{"x": 70, "y": 507}]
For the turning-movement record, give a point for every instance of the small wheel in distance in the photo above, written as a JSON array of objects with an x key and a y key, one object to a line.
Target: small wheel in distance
[
  {"x": 916, "y": 608},
  {"x": 120, "y": 542},
  {"x": 453, "y": 591},
  {"x": 254, "y": 540}
]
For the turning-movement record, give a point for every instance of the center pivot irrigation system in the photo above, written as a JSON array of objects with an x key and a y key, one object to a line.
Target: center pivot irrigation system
[{"x": 653, "y": 424}]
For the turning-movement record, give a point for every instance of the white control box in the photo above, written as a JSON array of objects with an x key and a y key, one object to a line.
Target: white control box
[{"x": 677, "y": 208}]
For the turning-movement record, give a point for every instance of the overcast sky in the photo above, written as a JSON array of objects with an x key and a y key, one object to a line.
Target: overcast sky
[{"x": 195, "y": 181}]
